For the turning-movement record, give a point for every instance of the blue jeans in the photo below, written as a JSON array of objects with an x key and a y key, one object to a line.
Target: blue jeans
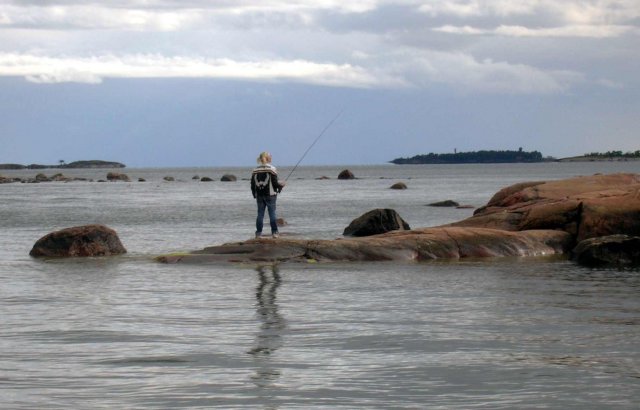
[{"x": 268, "y": 202}]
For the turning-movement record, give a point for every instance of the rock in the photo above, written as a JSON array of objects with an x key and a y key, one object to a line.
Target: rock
[
  {"x": 346, "y": 174},
  {"x": 142, "y": 180},
  {"x": 206, "y": 179},
  {"x": 375, "y": 222},
  {"x": 612, "y": 250},
  {"x": 169, "y": 179},
  {"x": 585, "y": 207},
  {"x": 323, "y": 178},
  {"x": 7, "y": 180},
  {"x": 42, "y": 178},
  {"x": 195, "y": 177},
  {"x": 416, "y": 245},
  {"x": 398, "y": 185},
  {"x": 60, "y": 178},
  {"x": 228, "y": 178},
  {"x": 446, "y": 203},
  {"x": 281, "y": 222},
  {"x": 87, "y": 240},
  {"x": 116, "y": 176}
]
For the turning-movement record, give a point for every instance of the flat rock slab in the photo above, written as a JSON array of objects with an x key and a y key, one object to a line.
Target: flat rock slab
[{"x": 414, "y": 245}]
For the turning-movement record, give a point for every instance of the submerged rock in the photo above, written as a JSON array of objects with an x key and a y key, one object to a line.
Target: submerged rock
[
  {"x": 86, "y": 240},
  {"x": 398, "y": 185},
  {"x": 445, "y": 203},
  {"x": 375, "y": 222}
]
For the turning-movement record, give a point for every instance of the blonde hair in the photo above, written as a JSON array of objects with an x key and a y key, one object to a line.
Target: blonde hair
[{"x": 264, "y": 158}]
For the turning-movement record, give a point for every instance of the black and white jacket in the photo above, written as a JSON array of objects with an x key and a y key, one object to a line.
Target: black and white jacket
[{"x": 264, "y": 181}]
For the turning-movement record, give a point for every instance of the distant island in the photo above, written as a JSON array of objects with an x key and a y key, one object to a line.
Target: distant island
[
  {"x": 473, "y": 157},
  {"x": 64, "y": 165}
]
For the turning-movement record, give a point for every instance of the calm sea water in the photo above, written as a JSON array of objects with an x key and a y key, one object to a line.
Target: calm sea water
[{"x": 126, "y": 332}]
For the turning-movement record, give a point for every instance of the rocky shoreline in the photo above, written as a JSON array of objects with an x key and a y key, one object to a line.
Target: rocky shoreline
[
  {"x": 594, "y": 219},
  {"x": 109, "y": 177},
  {"x": 527, "y": 219}
]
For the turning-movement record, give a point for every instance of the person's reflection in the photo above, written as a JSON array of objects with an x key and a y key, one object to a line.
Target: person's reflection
[{"x": 272, "y": 325}]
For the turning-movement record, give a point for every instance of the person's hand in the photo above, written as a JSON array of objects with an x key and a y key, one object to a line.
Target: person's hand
[{"x": 282, "y": 183}]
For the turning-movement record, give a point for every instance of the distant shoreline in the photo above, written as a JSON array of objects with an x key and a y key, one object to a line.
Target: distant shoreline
[
  {"x": 91, "y": 164},
  {"x": 597, "y": 159},
  {"x": 474, "y": 157},
  {"x": 511, "y": 157}
]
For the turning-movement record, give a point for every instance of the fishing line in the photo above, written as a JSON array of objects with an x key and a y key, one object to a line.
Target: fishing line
[{"x": 314, "y": 143}]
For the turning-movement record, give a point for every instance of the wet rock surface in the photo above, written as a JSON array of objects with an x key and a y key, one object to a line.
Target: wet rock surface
[
  {"x": 613, "y": 250},
  {"x": 415, "y": 245}
]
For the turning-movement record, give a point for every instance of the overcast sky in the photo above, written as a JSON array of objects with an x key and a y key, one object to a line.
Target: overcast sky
[{"x": 213, "y": 83}]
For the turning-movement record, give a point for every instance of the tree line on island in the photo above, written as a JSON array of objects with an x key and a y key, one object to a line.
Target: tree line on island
[
  {"x": 614, "y": 154},
  {"x": 510, "y": 156},
  {"x": 473, "y": 157}
]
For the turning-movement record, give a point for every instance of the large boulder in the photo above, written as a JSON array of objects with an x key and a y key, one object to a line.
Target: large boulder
[
  {"x": 612, "y": 250},
  {"x": 86, "y": 240},
  {"x": 375, "y": 222},
  {"x": 586, "y": 207}
]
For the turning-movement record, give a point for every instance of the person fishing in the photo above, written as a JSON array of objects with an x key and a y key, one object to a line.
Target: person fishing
[{"x": 265, "y": 188}]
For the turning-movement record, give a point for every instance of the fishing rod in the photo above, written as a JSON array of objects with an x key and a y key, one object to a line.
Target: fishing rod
[{"x": 314, "y": 143}]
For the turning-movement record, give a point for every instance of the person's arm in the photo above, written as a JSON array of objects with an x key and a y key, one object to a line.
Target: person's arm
[
  {"x": 276, "y": 184},
  {"x": 253, "y": 186}
]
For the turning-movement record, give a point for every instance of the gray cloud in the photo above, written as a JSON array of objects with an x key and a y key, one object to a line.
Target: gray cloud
[{"x": 364, "y": 43}]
